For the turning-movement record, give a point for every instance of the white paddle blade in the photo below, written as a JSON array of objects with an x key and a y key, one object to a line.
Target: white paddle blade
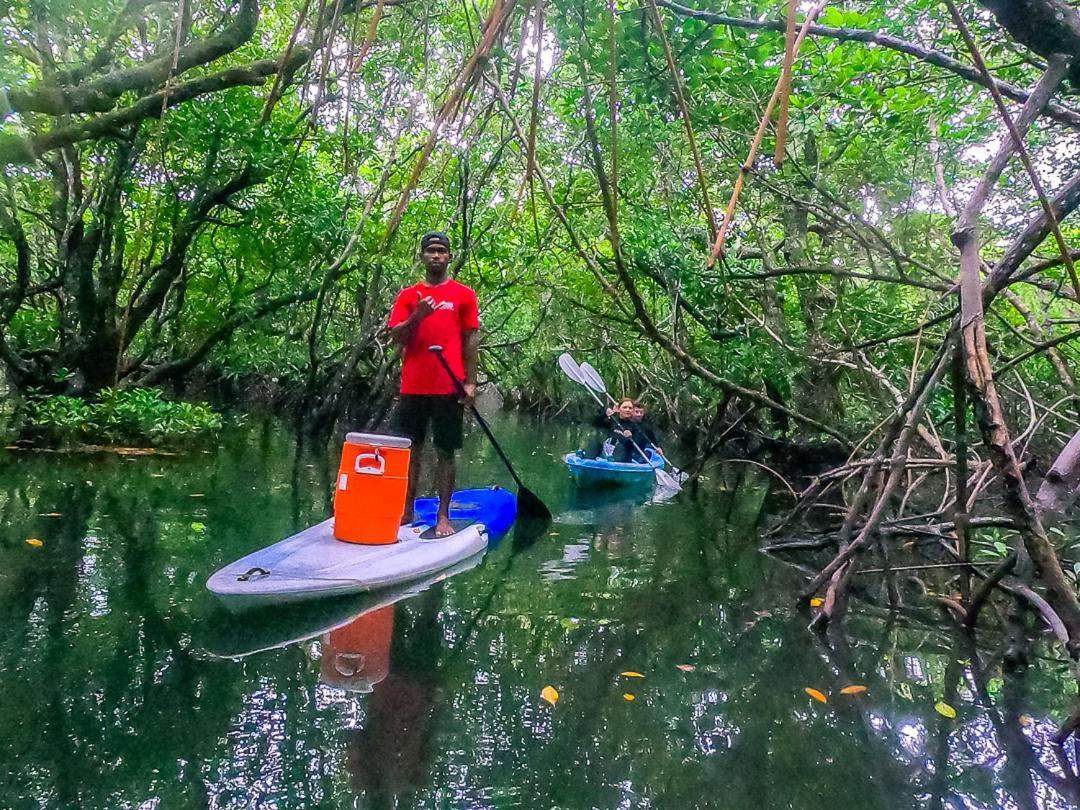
[
  {"x": 570, "y": 368},
  {"x": 667, "y": 482},
  {"x": 592, "y": 378}
]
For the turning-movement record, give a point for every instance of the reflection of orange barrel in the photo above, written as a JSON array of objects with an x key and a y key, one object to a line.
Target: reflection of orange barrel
[
  {"x": 372, "y": 482},
  {"x": 357, "y": 656}
]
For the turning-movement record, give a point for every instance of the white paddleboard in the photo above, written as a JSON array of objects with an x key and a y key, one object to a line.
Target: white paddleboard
[
  {"x": 284, "y": 625},
  {"x": 314, "y": 564}
]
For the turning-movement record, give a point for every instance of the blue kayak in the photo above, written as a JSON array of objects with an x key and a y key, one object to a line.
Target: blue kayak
[
  {"x": 604, "y": 471},
  {"x": 493, "y": 506}
]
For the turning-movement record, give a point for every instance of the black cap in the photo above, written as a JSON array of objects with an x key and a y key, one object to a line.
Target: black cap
[{"x": 434, "y": 237}]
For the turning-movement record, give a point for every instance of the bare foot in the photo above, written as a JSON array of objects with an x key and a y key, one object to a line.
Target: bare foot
[{"x": 444, "y": 528}]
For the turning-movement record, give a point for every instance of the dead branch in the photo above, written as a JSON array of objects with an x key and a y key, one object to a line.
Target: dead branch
[
  {"x": 684, "y": 111},
  {"x": 748, "y": 164}
]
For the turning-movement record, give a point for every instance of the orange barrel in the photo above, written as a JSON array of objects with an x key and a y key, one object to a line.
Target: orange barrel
[
  {"x": 372, "y": 482},
  {"x": 357, "y": 656}
]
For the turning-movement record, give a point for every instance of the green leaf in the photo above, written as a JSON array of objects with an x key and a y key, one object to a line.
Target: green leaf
[{"x": 833, "y": 16}]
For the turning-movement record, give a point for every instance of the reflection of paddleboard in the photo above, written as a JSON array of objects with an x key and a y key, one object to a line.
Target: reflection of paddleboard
[
  {"x": 313, "y": 564},
  {"x": 280, "y": 626}
]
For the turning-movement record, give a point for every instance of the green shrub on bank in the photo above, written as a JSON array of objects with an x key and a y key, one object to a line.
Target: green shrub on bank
[{"x": 120, "y": 416}]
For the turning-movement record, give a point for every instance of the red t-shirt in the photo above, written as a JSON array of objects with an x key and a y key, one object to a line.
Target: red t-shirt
[{"x": 455, "y": 313}]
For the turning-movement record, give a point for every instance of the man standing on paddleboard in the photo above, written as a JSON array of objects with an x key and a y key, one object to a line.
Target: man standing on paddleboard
[{"x": 438, "y": 311}]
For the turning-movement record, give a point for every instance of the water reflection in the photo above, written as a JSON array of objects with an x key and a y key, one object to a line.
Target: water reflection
[
  {"x": 121, "y": 685},
  {"x": 605, "y": 506},
  {"x": 356, "y": 656},
  {"x": 390, "y": 753},
  {"x": 600, "y": 519}
]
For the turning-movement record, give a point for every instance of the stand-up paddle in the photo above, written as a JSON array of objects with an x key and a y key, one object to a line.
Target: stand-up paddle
[
  {"x": 578, "y": 374},
  {"x": 529, "y": 504}
]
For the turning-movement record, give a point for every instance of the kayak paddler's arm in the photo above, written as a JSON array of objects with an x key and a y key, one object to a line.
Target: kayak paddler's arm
[{"x": 603, "y": 419}]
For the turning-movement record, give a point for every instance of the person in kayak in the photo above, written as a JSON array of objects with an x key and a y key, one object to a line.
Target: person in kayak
[
  {"x": 617, "y": 429},
  {"x": 437, "y": 311},
  {"x": 644, "y": 432}
]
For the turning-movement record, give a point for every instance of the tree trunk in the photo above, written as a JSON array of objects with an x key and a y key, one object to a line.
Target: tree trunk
[
  {"x": 821, "y": 389},
  {"x": 980, "y": 376}
]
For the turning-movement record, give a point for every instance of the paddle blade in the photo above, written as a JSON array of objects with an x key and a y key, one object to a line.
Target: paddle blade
[
  {"x": 570, "y": 368},
  {"x": 591, "y": 377},
  {"x": 667, "y": 481},
  {"x": 530, "y": 506},
  {"x": 679, "y": 476},
  {"x": 527, "y": 531}
]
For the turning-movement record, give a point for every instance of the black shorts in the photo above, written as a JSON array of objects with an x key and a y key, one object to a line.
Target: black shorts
[{"x": 445, "y": 413}]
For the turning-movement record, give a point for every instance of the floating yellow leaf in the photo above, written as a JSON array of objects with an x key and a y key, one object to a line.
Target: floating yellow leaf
[
  {"x": 628, "y": 696},
  {"x": 1026, "y": 720},
  {"x": 631, "y": 674},
  {"x": 816, "y": 695},
  {"x": 854, "y": 689},
  {"x": 33, "y": 541},
  {"x": 685, "y": 667},
  {"x": 944, "y": 709},
  {"x": 817, "y": 601},
  {"x": 549, "y": 694}
]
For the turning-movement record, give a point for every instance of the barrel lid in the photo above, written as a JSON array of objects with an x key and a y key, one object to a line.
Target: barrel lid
[{"x": 378, "y": 440}]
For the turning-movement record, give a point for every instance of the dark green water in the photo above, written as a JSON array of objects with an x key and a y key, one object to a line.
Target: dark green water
[{"x": 114, "y": 691}]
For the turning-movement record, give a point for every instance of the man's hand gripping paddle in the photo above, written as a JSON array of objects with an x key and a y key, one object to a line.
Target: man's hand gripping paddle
[{"x": 529, "y": 504}]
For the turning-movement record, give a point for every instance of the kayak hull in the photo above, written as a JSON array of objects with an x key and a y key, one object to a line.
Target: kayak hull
[
  {"x": 613, "y": 473},
  {"x": 313, "y": 564}
]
